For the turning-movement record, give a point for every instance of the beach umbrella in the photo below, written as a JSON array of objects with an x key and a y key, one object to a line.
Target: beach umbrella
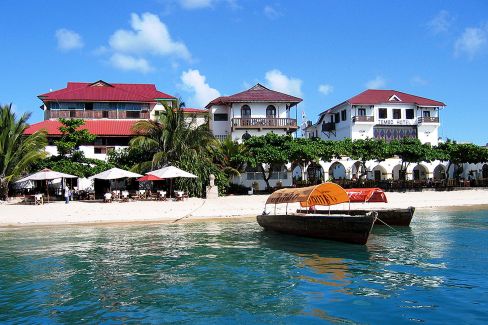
[
  {"x": 171, "y": 172},
  {"x": 115, "y": 173},
  {"x": 148, "y": 178},
  {"x": 45, "y": 175}
]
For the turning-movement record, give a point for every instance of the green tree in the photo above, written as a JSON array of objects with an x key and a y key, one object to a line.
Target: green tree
[
  {"x": 17, "y": 152},
  {"x": 303, "y": 151},
  {"x": 411, "y": 150},
  {"x": 176, "y": 139},
  {"x": 72, "y": 136},
  {"x": 226, "y": 156},
  {"x": 368, "y": 149},
  {"x": 459, "y": 153},
  {"x": 267, "y": 153}
]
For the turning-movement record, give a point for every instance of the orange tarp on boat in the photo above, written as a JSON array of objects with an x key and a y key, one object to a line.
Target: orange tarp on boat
[
  {"x": 366, "y": 195},
  {"x": 322, "y": 194}
]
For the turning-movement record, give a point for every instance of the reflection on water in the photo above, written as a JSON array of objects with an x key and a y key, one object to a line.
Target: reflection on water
[{"x": 233, "y": 271}]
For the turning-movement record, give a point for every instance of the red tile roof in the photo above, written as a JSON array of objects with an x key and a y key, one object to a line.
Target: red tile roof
[
  {"x": 194, "y": 110},
  {"x": 377, "y": 96},
  {"x": 102, "y": 91},
  {"x": 258, "y": 93},
  {"x": 97, "y": 127}
]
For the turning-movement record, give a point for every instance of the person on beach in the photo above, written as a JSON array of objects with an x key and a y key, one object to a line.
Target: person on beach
[{"x": 66, "y": 194}]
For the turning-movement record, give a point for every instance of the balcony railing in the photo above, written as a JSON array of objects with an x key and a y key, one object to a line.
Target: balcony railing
[
  {"x": 362, "y": 118},
  {"x": 328, "y": 127},
  {"x": 96, "y": 114},
  {"x": 425, "y": 119},
  {"x": 221, "y": 137},
  {"x": 264, "y": 123}
]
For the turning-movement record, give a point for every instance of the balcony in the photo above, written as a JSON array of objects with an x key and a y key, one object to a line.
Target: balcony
[
  {"x": 422, "y": 120},
  {"x": 328, "y": 127},
  {"x": 264, "y": 123},
  {"x": 52, "y": 114},
  {"x": 363, "y": 118}
]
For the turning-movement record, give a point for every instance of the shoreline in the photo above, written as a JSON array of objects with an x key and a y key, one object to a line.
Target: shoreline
[{"x": 222, "y": 209}]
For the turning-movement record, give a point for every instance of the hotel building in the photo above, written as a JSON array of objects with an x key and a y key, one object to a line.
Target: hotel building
[
  {"x": 380, "y": 114},
  {"x": 109, "y": 109},
  {"x": 256, "y": 111}
]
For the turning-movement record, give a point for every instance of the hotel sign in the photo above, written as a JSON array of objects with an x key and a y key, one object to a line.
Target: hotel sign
[{"x": 396, "y": 122}]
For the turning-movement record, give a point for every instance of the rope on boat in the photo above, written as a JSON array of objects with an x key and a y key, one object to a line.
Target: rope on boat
[
  {"x": 388, "y": 225},
  {"x": 189, "y": 214}
]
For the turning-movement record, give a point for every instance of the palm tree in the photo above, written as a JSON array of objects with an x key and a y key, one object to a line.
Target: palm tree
[
  {"x": 17, "y": 152},
  {"x": 176, "y": 139},
  {"x": 226, "y": 156}
]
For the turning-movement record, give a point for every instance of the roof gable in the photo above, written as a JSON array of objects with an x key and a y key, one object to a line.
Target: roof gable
[{"x": 257, "y": 93}]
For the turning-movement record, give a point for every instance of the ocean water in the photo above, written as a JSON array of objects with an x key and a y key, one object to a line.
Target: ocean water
[{"x": 435, "y": 271}]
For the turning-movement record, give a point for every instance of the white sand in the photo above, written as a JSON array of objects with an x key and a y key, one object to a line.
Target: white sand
[{"x": 199, "y": 209}]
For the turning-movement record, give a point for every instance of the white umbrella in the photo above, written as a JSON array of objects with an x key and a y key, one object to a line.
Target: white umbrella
[
  {"x": 115, "y": 173},
  {"x": 45, "y": 175},
  {"x": 171, "y": 172}
]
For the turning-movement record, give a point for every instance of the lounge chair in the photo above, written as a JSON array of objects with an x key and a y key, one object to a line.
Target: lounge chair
[{"x": 125, "y": 196}]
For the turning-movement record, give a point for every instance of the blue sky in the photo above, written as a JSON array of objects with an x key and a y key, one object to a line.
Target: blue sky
[{"x": 324, "y": 51}]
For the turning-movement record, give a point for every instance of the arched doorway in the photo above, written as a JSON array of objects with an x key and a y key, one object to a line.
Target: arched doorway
[
  {"x": 420, "y": 173},
  {"x": 396, "y": 173},
  {"x": 484, "y": 171},
  {"x": 356, "y": 170},
  {"x": 315, "y": 174},
  {"x": 337, "y": 171},
  {"x": 440, "y": 172},
  {"x": 378, "y": 173}
]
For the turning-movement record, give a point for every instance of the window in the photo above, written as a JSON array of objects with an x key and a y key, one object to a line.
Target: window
[
  {"x": 221, "y": 117},
  {"x": 397, "y": 114},
  {"x": 245, "y": 111},
  {"x": 426, "y": 114},
  {"x": 105, "y": 114},
  {"x": 270, "y": 111},
  {"x": 337, "y": 117},
  {"x": 409, "y": 114},
  {"x": 133, "y": 114},
  {"x": 100, "y": 150},
  {"x": 362, "y": 111},
  {"x": 343, "y": 115},
  {"x": 382, "y": 113},
  {"x": 89, "y": 106}
]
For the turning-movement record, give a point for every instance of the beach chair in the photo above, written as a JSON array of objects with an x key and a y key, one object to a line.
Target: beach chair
[
  {"x": 141, "y": 194},
  {"x": 162, "y": 195},
  {"x": 178, "y": 196},
  {"x": 107, "y": 198},
  {"x": 38, "y": 199}
]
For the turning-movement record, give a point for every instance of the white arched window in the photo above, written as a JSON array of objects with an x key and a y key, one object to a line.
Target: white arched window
[
  {"x": 245, "y": 111},
  {"x": 270, "y": 111}
]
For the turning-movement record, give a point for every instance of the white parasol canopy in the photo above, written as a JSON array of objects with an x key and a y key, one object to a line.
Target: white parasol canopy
[
  {"x": 45, "y": 175},
  {"x": 115, "y": 173},
  {"x": 171, "y": 172}
]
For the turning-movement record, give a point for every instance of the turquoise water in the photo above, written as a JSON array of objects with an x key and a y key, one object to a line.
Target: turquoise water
[{"x": 233, "y": 272}]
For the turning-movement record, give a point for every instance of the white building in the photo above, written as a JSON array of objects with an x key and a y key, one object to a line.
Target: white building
[
  {"x": 380, "y": 114},
  {"x": 256, "y": 111}
]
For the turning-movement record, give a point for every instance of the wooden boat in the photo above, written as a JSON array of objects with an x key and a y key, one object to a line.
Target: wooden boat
[
  {"x": 392, "y": 217},
  {"x": 338, "y": 227}
]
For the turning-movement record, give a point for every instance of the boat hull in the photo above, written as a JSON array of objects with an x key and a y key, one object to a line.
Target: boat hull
[
  {"x": 341, "y": 227},
  {"x": 392, "y": 217}
]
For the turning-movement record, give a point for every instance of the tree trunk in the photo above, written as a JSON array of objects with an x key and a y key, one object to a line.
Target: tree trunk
[
  {"x": 266, "y": 179},
  {"x": 3, "y": 190}
]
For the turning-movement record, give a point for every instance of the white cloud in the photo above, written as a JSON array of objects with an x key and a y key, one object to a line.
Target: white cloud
[
  {"x": 276, "y": 80},
  {"x": 472, "y": 41},
  {"x": 202, "y": 92},
  {"x": 148, "y": 35},
  {"x": 441, "y": 22},
  {"x": 376, "y": 83},
  {"x": 326, "y": 89},
  {"x": 68, "y": 40},
  {"x": 130, "y": 63},
  {"x": 271, "y": 12},
  {"x": 196, "y": 4}
]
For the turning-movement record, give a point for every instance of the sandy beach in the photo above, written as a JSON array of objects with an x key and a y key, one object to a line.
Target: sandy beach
[{"x": 193, "y": 209}]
